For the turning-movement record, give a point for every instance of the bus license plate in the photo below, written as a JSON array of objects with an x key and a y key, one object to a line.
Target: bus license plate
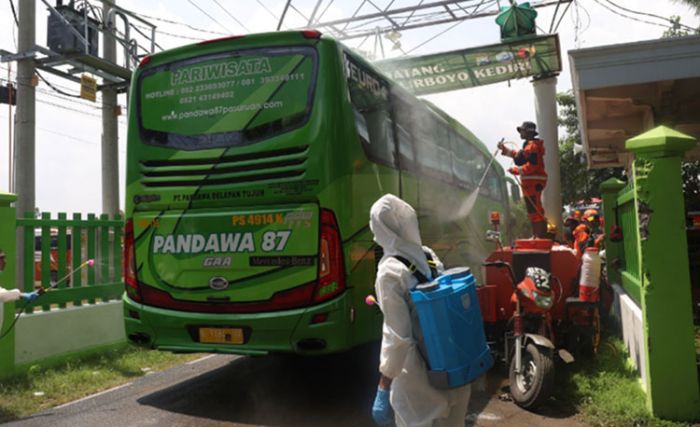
[{"x": 221, "y": 335}]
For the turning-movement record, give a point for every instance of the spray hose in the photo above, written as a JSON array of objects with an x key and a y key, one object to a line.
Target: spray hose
[{"x": 42, "y": 291}]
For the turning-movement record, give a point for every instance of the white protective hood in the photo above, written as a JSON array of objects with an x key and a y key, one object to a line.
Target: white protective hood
[
  {"x": 395, "y": 227},
  {"x": 415, "y": 402}
]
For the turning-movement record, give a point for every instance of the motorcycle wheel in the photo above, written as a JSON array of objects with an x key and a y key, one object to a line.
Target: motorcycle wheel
[{"x": 532, "y": 386}]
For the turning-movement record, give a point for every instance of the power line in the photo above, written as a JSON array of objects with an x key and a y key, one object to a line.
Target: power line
[
  {"x": 630, "y": 17},
  {"x": 14, "y": 12},
  {"x": 437, "y": 35},
  {"x": 637, "y": 12},
  {"x": 71, "y": 137},
  {"x": 268, "y": 10},
  {"x": 447, "y": 29},
  {"x": 180, "y": 36},
  {"x": 55, "y": 88},
  {"x": 232, "y": 17},
  {"x": 169, "y": 21},
  {"x": 210, "y": 17}
]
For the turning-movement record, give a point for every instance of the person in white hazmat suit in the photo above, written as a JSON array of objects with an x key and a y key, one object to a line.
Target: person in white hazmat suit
[{"x": 404, "y": 375}]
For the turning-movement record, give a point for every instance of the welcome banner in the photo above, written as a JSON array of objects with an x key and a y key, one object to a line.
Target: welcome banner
[{"x": 460, "y": 69}]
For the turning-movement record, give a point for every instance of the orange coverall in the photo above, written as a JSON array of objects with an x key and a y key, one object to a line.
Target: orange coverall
[{"x": 530, "y": 167}]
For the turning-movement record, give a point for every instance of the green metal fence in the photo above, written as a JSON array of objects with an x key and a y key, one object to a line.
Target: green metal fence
[
  {"x": 650, "y": 261},
  {"x": 630, "y": 266},
  {"x": 57, "y": 253}
]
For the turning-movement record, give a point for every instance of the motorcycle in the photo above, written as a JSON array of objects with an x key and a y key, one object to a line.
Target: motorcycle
[{"x": 532, "y": 314}]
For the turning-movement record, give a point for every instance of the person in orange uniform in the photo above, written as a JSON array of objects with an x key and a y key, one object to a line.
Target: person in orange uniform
[
  {"x": 529, "y": 164},
  {"x": 570, "y": 223},
  {"x": 587, "y": 233}
]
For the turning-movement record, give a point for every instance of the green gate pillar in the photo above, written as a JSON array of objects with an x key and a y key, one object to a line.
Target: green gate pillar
[
  {"x": 7, "y": 281},
  {"x": 672, "y": 377},
  {"x": 613, "y": 250}
]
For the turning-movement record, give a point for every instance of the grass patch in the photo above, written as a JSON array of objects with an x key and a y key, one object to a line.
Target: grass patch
[
  {"x": 42, "y": 388},
  {"x": 607, "y": 391}
]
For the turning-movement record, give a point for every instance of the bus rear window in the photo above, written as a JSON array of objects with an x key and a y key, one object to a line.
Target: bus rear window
[{"x": 227, "y": 99}]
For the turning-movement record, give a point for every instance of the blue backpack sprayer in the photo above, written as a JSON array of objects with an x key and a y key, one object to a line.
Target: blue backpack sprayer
[{"x": 448, "y": 327}]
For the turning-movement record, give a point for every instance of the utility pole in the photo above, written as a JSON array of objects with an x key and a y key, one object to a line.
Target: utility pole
[
  {"x": 546, "y": 113},
  {"x": 26, "y": 122},
  {"x": 110, "y": 130}
]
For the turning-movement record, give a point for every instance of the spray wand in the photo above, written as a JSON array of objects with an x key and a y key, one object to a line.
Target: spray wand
[{"x": 41, "y": 291}]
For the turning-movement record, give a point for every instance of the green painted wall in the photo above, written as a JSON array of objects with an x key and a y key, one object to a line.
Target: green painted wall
[{"x": 7, "y": 281}]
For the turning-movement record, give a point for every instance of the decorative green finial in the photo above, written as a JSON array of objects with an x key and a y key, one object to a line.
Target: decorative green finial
[{"x": 516, "y": 20}]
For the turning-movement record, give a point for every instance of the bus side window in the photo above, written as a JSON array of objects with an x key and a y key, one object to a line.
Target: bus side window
[
  {"x": 432, "y": 145},
  {"x": 468, "y": 162},
  {"x": 493, "y": 185},
  {"x": 372, "y": 119},
  {"x": 402, "y": 117}
]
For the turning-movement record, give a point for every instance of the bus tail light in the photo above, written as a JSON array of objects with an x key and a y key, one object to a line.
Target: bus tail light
[
  {"x": 331, "y": 274},
  {"x": 311, "y": 34},
  {"x": 145, "y": 60},
  {"x": 288, "y": 299},
  {"x": 131, "y": 283}
]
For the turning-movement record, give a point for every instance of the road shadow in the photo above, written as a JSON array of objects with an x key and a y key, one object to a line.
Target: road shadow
[{"x": 280, "y": 391}]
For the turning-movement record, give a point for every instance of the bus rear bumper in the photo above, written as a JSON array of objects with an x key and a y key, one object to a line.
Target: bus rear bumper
[{"x": 301, "y": 331}]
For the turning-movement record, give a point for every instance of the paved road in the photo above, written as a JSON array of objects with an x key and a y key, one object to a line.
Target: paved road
[{"x": 267, "y": 391}]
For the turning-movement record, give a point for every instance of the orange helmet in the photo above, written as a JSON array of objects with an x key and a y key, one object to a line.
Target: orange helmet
[{"x": 590, "y": 216}]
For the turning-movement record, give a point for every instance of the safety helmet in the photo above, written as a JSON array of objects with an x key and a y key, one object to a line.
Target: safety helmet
[{"x": 590, "y": 215}]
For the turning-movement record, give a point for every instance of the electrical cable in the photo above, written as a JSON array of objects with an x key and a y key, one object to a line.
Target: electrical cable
[
  {"x": 210, "y": 17},
  {"x": 169, "y": 21},
  {"x": 53, "y": 87},
  {"x": 232, "y": 17},
  {"x": 447, "y": 29},
  {"x": 631, "y": 17},
  {"x": 636, "y": 12},
  {"x": 14, "y": 12},
  {"x": 165, "y": 33},
  {"x": 268, "y": 10}
]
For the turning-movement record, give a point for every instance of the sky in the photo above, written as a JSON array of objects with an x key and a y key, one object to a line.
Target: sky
[{"x": 68, "y": 130}]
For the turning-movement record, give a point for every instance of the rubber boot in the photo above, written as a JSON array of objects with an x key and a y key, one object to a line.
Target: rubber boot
[{"x": 539, "y": 229}]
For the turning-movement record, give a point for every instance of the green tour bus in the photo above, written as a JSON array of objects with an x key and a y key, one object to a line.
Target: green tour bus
[{"x": 252, "y": 163}]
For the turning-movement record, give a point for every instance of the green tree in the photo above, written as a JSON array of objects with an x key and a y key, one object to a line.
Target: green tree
[
  {"x": 690, "y": 170},
  {"x": 577, "y": 181},
  {"x": 695, "y": 4}
]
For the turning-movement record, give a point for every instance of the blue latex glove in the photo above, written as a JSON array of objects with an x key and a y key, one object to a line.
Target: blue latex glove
[
  {"x": 30, "y": 296},
  {"x": 382, "y": 413}
]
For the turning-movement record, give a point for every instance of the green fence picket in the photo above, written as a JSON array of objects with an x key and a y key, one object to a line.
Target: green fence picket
[
  {"x": 46, "y": 254},
  {"x": 104, "y": 249},
  {"x": 77, "y": 242},
  {"x": 28, "y": 268},
  {"x": 92, "y": 250},
  {"x": 117, "y": 249},
  {"x": 62, "y": 255}
]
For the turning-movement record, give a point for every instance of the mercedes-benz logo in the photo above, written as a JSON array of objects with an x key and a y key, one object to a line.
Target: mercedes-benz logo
[{"x": 218, "y": 283}]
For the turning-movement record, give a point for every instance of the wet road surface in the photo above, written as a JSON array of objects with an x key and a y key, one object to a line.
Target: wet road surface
[{"x": 270, "y": 391}]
